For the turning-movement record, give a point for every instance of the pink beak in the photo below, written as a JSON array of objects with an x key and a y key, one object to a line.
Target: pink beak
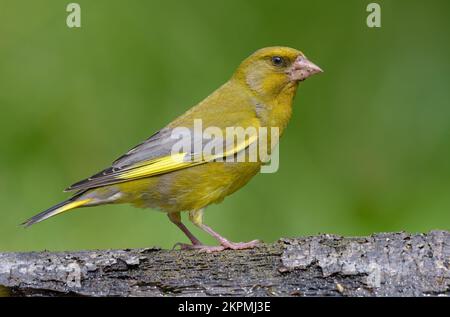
[{"x": 303, "y": 68}]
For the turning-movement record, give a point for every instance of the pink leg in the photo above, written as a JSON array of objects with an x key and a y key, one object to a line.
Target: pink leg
[
  {"x": 176, "y": 219},
  {"x": 196, "y": 217},
  {"x": 228, "y": 244}
]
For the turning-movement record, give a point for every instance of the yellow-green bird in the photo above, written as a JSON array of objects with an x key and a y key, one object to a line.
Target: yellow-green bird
[{"x": 259, "y": 95}]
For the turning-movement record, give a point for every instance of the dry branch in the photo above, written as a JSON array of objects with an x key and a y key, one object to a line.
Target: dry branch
[{"x": 387, "y": 264}]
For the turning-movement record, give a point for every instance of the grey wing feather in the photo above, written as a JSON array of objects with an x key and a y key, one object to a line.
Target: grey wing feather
[{"x": 158, "y": 145}]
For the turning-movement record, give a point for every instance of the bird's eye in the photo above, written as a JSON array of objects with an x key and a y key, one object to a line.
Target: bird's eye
[{"x": 277, "y": 61}]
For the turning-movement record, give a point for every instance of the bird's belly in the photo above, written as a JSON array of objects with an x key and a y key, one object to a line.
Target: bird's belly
[{"x": 189, "y": 189}]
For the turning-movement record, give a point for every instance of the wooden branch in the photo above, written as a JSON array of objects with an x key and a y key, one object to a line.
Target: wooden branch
[{"x": 387, "y": 264}]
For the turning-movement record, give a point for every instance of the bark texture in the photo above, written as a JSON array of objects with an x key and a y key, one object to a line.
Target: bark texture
[{"x": 385, "y": 264}]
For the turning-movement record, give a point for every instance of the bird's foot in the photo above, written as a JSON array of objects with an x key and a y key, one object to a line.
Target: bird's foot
[
  {"x": 225, "y": 244},
  {"x": 239, "y": 245}
]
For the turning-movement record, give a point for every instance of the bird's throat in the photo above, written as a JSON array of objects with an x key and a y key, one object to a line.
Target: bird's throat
[{"x": 282, "y": 109}]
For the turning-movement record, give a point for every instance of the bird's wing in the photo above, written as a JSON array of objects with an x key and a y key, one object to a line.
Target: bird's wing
[{"x": 154, "y": 157}]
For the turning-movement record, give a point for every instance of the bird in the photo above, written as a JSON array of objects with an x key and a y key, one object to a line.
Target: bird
[{"x": 259, "y": 94}]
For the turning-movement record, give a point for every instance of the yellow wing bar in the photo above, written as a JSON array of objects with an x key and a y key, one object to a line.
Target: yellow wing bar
[{"x": 178, "y": 161}]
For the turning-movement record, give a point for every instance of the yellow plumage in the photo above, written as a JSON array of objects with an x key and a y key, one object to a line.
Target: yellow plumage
[{"x": 258, "y": 95}]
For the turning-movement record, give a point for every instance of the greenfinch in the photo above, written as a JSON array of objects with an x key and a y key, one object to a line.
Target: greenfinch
[{"x": 258, "y": 95}]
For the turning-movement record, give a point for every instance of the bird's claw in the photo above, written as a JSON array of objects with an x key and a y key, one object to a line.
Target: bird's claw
[
  {"x": 240, "y": 245},
  {"x": 224, "y": 245}
]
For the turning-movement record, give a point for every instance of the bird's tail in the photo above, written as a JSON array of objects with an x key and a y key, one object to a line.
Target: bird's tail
[{"x": 66, "y": 205}]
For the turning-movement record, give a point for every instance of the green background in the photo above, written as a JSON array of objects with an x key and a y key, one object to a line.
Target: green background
[{"x": 367, "y": 149}]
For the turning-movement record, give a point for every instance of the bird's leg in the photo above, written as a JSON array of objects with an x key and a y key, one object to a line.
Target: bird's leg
[
  {"x": 175, "y": 218},
  {"x": 196, "y": 216}
]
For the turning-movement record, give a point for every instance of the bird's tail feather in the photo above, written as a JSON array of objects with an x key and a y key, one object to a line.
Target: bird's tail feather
[{"x": 66, "y": 205}]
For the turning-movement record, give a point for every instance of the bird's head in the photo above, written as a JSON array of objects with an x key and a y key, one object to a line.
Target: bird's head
[{"x": 270, "y": 69}]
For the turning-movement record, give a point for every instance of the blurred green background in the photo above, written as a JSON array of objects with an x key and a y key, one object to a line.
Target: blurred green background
[{"x": 368, "y": 147}]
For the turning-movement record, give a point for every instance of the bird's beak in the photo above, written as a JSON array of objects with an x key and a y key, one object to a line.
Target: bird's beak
[{"x": 303, "y": 68}]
